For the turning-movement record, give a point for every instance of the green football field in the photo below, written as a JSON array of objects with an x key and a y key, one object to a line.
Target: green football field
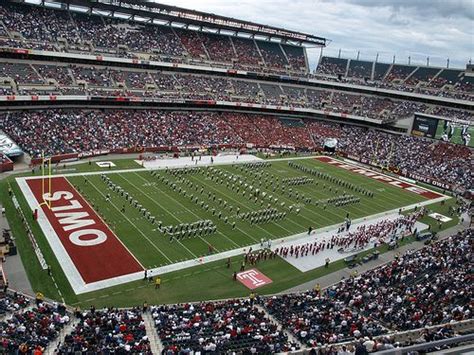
[
  {"x": 211, "y": 194},
  {"x": 457, "y": 135},
  {"x": 163, "y": 200}
]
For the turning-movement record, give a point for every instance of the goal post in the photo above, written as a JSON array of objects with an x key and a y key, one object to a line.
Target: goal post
[{"x": 46, "y": 181}]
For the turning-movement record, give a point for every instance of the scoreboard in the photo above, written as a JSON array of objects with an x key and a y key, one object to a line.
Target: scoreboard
[{"x": 424, "y": 126}]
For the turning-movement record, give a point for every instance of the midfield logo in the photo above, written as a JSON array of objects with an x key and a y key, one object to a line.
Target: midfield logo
[{"x": 253, "y": 279}]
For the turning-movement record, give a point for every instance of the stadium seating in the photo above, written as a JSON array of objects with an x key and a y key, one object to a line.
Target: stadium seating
[
  {"x": 247, "y": 52},
  {"x": 408, "y": 78},
  {"x": 295, "y": 57},
  {"x": 107, "y": 331},
  {"x": 47, "y": 79},
  {"x": 6, "y": 91},
  {"x": 33, "y": 27},
  {"x": 60, "y": 74},
  {"x": 360, "y": 69},
  {"x": 26, "y": 330},
  {"x": 441, "y": 161},
  {"x": 332, "y": 66},
  {"x": 49, "y": 29},
  {"x": 380, "y": 70},
  {"x": 399, "y": 73},
  {"x": 219, "y": 48},
  {"x": 84, "y": 131},
  {"x": 411, "y": 292},
  {"x": 220, "y": 327},
  {"x": 422, "y": 75},
  {"x": 427, "y": 291},
  {"x": 21, "y": 73},
  {"x": 272, "y": 54},
  {"x": 446, "y": 77}
]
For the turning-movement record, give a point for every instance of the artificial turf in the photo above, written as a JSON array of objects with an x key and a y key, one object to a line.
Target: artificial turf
[
  {"x": 154, "y": 249},
  {"x": 213, "y": 280}
]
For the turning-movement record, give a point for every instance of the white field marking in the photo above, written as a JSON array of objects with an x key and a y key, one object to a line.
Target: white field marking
[
  {"x": 133, "y": 224},
  {"x": 357, "y": 206},
  {"x": 59, "y": 291},
  {"x": 304, "y": 188},
  {"x": 164, "y": 167},
  {"x": 69, "y": 269},
  {"x": 276, "y": 242},
  {"x": 230, "y": 163},
  {"x": 439, "y": 217},
  {"x": 241, "y": 230},
  {"x": 156, "y": 203},
  {"x": 242, "y": 204},
  {"x": 358, "y": 166},
  {"x": 170, "y": 197},
  {"x": 105, "y": 164},
  {"x": 283, "y": 196},
  {"x": 102, "y": 220},
  {"x": 190, "y": 263},
  {"x": 370, "y": 182},
  {"x": 187, "y": 162},
  {"x": 310, "y": 262}
]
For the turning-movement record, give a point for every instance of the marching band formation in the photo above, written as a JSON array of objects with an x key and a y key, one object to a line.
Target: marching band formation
[{"x": 255, "y": 185}]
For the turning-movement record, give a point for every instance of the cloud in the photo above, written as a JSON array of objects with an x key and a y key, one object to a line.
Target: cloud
[
  {"x": 423, "y": 8},
  {"x": 416, "y": 28}
]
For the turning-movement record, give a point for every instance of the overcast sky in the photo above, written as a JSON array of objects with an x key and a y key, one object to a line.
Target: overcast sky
[{"x": 417, "y": 28}]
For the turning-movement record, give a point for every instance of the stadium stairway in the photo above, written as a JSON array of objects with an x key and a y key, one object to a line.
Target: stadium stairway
[
  {"x": 13, "y": 266},
  {"x": 272, "y": 319},
  {"x": 68, "y": 328},
  {"x": 155, "y": 343}
]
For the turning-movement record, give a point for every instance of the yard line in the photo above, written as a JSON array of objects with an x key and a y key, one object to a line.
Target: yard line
[
  {"x": 128, "y": 219},
  {"x": 242, "y": 204},
  {"x": 156, "y": 203},
  {"x": 345, "y": 178},
  {"x": 282, "y": 196},
  {"x": 170, "y": 197},
  {"x": 267, "y": 232},
  {"x": 357, "y": 177}
]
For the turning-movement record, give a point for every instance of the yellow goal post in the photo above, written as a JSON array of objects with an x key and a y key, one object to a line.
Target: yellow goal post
[{"x": 46, "y": 181}]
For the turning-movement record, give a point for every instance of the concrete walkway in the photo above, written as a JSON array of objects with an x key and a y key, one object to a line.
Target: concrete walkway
[
  {"x": 16, "y": 275},
  {"x": 335, "y": 277},
  {"x": 68, "y": 328},
  {"x": 13, "y": 267},
  {"x": 151, "y": 333}
]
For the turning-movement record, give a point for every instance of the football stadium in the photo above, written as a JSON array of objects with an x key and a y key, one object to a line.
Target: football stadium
[{"x": 174, "y": 181}]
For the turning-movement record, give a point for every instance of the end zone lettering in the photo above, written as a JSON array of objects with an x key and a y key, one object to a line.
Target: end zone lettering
[
  {"x": 381, "y": 177},
  {"x": 74, "y": 220},
  {"x": 79, "y": 237}
]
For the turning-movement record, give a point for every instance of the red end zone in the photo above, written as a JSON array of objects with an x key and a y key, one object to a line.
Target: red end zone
[
  {"x": 94, "y": 249},
  {"x": 381, "y": 177}
]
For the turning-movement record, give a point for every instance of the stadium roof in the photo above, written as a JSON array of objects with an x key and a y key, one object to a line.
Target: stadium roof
[{"x": 149, "y": 11}]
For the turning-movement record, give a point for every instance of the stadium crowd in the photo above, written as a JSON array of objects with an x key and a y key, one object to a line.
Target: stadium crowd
[
  {"x": 48, "y": 79},
  {"x": 440, "y": 161},
  {"x": 426, "y": 80},
  {"x": 416, "y": 291},
  {"x": 218, "y": 327},
  {"x": 33, "y": 27},
  {"x": 420, "y": 288},
  {"x": 38, "y": 28},
  {"x": 107, "y": 331},
  {"x": 31, "y": 330},
  {"x": 65, "y": 131}
]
